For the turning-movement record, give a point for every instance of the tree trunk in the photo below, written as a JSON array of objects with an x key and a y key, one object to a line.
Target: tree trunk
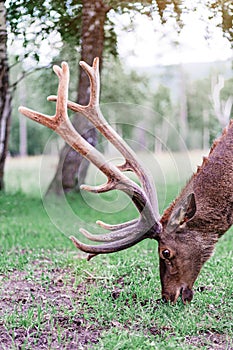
[
  {"x": 5, "y": 98},
  {"x": 72, "y": 167},
  {"x": 23, "y": 147},
  {"x": 183, "y": 121}
]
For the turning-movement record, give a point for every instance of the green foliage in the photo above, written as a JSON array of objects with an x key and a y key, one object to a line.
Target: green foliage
[
  {"x": 200, "y": 110},
  {"x": 119, "y": 85},
  {"x": 64, "y": 17},
  {"x": 225, "y": 8},
  {"x": 162, "y": 103},
  {"x": 201, "y": 114}
]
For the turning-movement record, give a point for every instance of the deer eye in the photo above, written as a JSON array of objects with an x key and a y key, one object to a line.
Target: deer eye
[{"x": 166, "y": 253}]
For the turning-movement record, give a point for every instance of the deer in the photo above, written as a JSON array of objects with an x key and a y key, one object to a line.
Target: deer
[{"x": 188, "y": 229}]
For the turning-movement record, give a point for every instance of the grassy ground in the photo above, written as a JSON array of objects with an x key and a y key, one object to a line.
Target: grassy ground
[{"x": 52, "y": 298}]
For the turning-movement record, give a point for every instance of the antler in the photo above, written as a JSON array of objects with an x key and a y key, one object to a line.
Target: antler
[{"x": 144, "y": 198}]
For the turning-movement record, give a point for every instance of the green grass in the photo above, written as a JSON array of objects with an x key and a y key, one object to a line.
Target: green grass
[{"x": 50, "y": 295}]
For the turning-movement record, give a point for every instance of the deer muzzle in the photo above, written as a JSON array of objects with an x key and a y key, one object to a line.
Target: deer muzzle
[{"x": 185, "y": 292}]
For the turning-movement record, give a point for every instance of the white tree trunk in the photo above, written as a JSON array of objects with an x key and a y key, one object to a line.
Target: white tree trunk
[
  {"x": 5, "y": 98},
  {"x": 22, "y": 123}
]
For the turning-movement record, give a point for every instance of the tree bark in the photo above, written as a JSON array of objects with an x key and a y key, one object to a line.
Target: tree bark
[
  {"x": 72, "y": 168},
  {"x": 5, "y": 97}
]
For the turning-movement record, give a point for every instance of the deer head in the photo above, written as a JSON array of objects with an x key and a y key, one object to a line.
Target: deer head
[{"x": 188, "y": 229}]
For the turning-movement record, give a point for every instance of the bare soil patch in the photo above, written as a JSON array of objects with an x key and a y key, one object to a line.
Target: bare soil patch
[
  {"x": 23, "y": 299},
  {"x": 211, "y": 340}
]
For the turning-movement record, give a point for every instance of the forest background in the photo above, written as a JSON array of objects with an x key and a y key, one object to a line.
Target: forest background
[{"x": 193, "y": 98}]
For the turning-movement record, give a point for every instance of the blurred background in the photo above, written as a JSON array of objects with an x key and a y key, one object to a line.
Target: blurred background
[{"x": 166, "y": 75}]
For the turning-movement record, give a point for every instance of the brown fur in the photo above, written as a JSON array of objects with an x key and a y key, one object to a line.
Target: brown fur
[
  {"x": 192, "y": 242},
  {"x": 204, "y": 183}
]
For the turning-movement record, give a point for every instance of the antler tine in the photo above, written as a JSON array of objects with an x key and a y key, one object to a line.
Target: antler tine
[
  {"x": 61, "y": 116},
  {"x": 147, "y": 224},
  {"x": 107, "y": 248},
  {"x": 93, "y": 74},
  {"x": 93, "y": 114},
  {"x": 117, "y": 226},
  {"x": 121, "y": 232}
]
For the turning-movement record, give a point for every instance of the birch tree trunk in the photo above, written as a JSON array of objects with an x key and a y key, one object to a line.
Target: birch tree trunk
[
  {"x": 5, "y": 98},
  {"x": 72, "y": 167},
  {"x": 183, "y": 121},
  {"x": 23, "y": 147}
]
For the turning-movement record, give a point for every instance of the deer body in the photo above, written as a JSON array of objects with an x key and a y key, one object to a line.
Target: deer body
[
  {"x": 188, "y": 229},
  {"x": 213, "y": 187},
  {"x": 211, "y": 212}
]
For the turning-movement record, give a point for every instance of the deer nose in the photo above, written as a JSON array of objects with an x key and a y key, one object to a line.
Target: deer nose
[
  {"x": 187, "y": 295},
  {"x": 171, "y": 296},
  {"x": 164, "y": 299}
]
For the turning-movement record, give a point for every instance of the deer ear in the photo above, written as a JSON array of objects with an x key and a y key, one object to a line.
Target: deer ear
[
  {"x": 183, "y": 213},
  {"x": 190, "y": 207}
]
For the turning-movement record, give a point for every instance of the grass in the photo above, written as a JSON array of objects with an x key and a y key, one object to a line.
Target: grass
[{"x": 52, "y": 298}]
